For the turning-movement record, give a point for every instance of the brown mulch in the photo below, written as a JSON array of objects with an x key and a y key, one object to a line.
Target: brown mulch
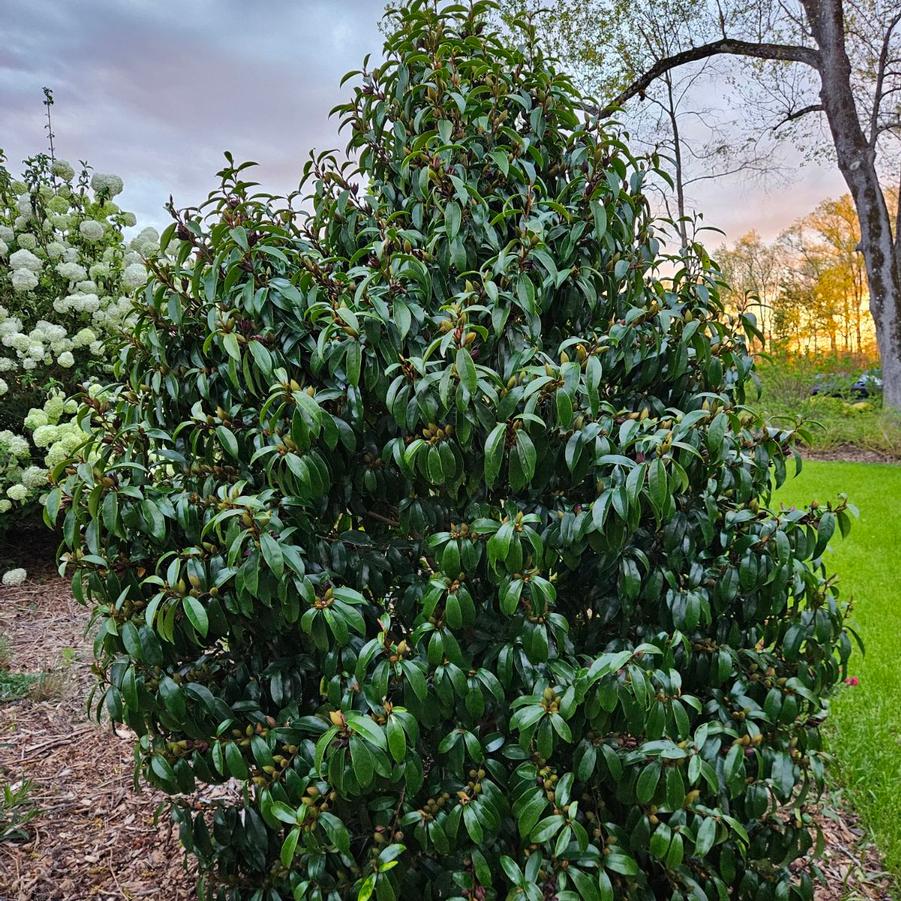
[
  {"x": 850, "y": 866},
  {"x": 849, "y": 453},
  {"x": 96, "y": 838}
]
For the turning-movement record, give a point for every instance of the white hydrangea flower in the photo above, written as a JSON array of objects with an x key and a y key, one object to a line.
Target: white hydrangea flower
[
  {"x": 72, "y": 271},
  {"x": 111, "y": 185},
  {"x": 58, "y": 204},
  {"x": 13, "y": 577},
  {"x": 63, "y": 169},
  {"x": 45, "y": 435},
  {"x": 83, "y": 336},
  {"x": 35, "y": 419},
  {"x": 51, "y": 330},
  {"x": 87, "y": 256},
  {"x": 24, "y": 280},
  {"x": 25, "y": 207},
  {"x": 25, "y": 259},
  {"x": 91, "y": 230},
  {"x": 34, "y": 477},
  {"x": 134, "y": 276},
  {"x": 147, "y": 242},
  {"x": 17, "y": 492},
  {"x": 16, "y": 445},
  {"x": 55, "y": 406}
]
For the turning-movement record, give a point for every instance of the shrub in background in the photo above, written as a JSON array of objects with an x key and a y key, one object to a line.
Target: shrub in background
[
  {"x": 831, "y": 422},
  {"x": 437, "y": 522},
  {"x": 66, "y": 273}
]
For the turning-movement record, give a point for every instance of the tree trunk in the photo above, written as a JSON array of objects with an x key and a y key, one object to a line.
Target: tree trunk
[
  {"x": 856, "y": 161},
  {"x": 677, "y": 162}
]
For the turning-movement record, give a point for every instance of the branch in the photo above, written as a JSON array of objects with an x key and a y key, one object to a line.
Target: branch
[
  {"x": 797, "y": 114},
  {"x": 728, "y": 46},
  {"x": 898, "y": 228},
  {"x": 884, "y": 61}
]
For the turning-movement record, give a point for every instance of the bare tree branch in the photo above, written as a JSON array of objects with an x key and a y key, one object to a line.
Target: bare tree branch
[
  {"x": 797, "y": 114},
  {"x": 727, "y": 46},
  {"x": 880, "y": 78}
]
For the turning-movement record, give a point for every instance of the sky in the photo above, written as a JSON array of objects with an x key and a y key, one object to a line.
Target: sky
[{"x": 155, "y": 91}]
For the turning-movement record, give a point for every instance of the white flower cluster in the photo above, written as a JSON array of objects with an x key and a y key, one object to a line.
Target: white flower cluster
[
  {"x": 67, "y": 276},
  {"x": 107, "y": 185},
  {"x": 48, "y": 343},
  {"x": 91, "y": 230},
  {"x": 13, "y": 577},
  {"x": 15, "y": 458},
  {"x": 55, "y": 433}
]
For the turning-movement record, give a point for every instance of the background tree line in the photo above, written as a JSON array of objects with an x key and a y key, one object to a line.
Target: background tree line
[{"x": 808, "y": 286}]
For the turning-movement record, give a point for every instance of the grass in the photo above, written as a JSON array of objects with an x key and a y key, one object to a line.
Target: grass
[
  {"x": 14, "y": 686},
  {"x": 16, "y": 812},
  {"x": 834, "y": 422},
  {"x": 38, "y": 686},
  {"x": 866, "y": 723}
]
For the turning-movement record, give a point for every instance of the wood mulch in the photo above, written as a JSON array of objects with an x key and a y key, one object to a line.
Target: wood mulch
[
  {"x": 849, "y": 453},
  {"x": 96, "y": 838}
]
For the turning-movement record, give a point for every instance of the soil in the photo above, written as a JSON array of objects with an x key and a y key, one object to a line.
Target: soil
[{"x": 98, "y": 838}]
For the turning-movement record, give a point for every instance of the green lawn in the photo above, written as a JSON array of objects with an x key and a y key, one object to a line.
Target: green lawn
[{"x": 866, "y": 734}]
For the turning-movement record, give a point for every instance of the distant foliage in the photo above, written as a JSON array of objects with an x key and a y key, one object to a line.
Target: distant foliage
[
  {"x": 437, "y": 521},
  {"x": 66, "y": 274}
]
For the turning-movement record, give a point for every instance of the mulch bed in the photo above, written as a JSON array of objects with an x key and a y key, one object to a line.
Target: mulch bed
[
  {"x": 98, "y": 838},
  {"x": 849, "y": 453},
  {"x": 95, "y": 837}
]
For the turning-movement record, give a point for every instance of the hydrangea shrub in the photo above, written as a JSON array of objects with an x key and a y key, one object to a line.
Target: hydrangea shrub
[
  {"x": 66, "y": 276},
  {"x": 435, "y": 524}
]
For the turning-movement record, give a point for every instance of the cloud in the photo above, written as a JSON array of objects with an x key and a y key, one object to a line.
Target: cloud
[{"x": 155, "y": 91}]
